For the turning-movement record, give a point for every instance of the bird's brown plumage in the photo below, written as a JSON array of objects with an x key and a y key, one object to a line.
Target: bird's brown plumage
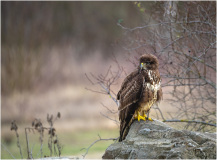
[{"x": 139, "y": 91}]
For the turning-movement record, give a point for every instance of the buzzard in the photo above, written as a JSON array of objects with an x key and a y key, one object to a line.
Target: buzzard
[{"x": 139, "y": 91}]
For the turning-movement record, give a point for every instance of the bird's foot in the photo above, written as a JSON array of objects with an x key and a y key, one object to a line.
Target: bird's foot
[
  {"x": 147, "y": 118},
  {"x": 140, "y": 117}
]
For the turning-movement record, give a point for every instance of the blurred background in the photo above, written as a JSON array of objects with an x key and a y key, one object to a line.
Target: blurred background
[{"x": 49, "y": 48}]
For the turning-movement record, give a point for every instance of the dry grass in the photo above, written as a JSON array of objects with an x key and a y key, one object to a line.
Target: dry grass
[
  {"x": 59, "y": 88},
  {"x": 72, "y": 140}
]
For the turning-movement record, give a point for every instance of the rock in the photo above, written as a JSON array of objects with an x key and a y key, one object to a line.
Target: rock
[{"x": 157, "y": 140}]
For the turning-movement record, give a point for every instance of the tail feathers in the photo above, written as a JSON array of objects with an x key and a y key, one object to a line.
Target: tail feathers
[
  {"x": 126, "y": 119},
  {"x": 124, "y": 129}
]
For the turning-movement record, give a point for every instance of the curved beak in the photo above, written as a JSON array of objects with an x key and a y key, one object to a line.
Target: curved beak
[{"x": 142, "y": 66}]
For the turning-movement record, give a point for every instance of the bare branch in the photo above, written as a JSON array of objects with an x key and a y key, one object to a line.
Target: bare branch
[
  {"x": 7, "y": 150},
  {"x": 88, "y": 79},
  {"x": 190, "y": 121},
  {"x": 117, "y": 122},
  {"x": 157, "y": 108},
  {"x": 100, "y": 139},
  {"x": 107, "y": 90},
  {"x": 111, "y": 111}
]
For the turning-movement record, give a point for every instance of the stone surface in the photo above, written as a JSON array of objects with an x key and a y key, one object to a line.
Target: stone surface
[{"x": 157, "y": 140}]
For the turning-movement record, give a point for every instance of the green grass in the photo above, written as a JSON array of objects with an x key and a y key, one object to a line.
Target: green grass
[{"x": 72, "y": 143}]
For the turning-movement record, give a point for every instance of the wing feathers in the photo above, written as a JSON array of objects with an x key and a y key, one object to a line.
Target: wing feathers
[
  {"x": 126, "y": 81},
  {"x": 130, "y": 93}
]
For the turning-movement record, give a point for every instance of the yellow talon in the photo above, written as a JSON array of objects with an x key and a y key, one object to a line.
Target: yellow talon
[
  {"x": 150, "y": 119},
  {"x": 144, "y": 117},
  {"x": 140, "y": 117},
  {"x": 147, "y": 118}
]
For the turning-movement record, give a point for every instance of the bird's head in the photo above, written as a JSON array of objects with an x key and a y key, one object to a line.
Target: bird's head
[{"x": 148, "y": 62}]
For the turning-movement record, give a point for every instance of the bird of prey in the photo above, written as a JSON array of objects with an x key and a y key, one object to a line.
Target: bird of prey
[{"x": 139, "y": 91}]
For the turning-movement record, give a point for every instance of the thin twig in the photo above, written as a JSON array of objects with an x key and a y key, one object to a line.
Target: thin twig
[
  {"x": 111, "y": 111},
  {"x": 31, "y": 151},
  {"x": 40, "y": 152},
  {"x": 157, "y": 108},
  {"x": 7, "y": 150},
  {"x": 100, "y": 139},
  {"x": 189, "y": 121},
  {"x": 117, "y": 122},
  {"x": 109, "y": 93},
  {"x": 27, "y": 143}
]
